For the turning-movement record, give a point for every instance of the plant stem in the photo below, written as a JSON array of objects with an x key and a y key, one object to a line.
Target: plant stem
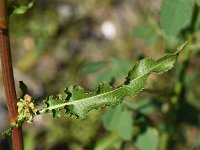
[
  {"x": 8, "y": 79},
  {"x": 164, "y": 140},
  {"x": 179, "y": 87}
]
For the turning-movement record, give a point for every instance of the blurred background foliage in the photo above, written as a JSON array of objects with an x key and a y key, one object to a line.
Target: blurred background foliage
[{"x": 66, "y": 42}]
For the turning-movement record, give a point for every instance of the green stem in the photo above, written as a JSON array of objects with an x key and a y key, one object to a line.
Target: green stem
[
  {"x": 164, "y": 140},
  {"x": 179, "y": 85}
]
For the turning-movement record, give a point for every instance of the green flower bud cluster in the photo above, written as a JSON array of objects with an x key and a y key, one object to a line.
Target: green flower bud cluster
[{"x": 26, "y": 109}]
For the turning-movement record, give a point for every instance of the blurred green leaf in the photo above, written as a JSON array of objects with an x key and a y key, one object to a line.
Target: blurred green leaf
[
  {"x": 118, "y": 68},
  {"x": 23, "y": 9},
  {"x": 146, "y": 32},
  {"x": 198, "y": 2},
  {"x": 109, "y": 142},
  {"x": 94, "y": 67},
  {"x": 149, "y": 140},
  {"x": 172, "y": 42},
  {"x": 120, "y": 120},
  {"x": 175, "y": 15},
  {"x": 152, "y": 39},
  {"x": 29, "y": 140},
  {"x": 197, "y": 141},
  {"x": 142, "y": 31},
  {"x": 144, "y": 106},
  {"x": 137, "y": 105},
  {"x": 105, "y": 76}
]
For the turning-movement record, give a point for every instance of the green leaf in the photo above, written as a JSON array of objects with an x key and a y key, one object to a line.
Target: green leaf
[
  {"x": 111, "y": 141},
  {"x": 142, "y": 31},
  {"x": 119, "y": 67},
  {"x": 198, "y": 2},
  {"x": 111, "y": 117},
  {"x": 145, "y": 106},
  {"x": 172, "y": 41},
  {"x": 175, "y": 15},
  {"x": 23, "y": 9},
  {"x": 120, "y": 120},
  {"x": 30, "y": 140},
  {"x": 94, "y": 67},
  {"x": 79, "y": 102},
  {"x": 148, "y": 141},
  {"x": 151, "y": 40},
  {"x": 105, "y": 76},
  {"x": 52, "y": 101},
  {"x": 23, "y": 87}
]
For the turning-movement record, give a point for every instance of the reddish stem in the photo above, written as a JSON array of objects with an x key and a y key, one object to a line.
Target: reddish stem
[{"x": 8, "y": 79}]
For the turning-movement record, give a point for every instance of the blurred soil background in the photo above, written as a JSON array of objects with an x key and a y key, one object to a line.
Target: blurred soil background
[{"x": 59, "y": 43}]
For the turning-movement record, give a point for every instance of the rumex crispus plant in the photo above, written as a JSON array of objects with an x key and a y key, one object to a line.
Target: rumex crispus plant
[{"x": 77, "y": 101}]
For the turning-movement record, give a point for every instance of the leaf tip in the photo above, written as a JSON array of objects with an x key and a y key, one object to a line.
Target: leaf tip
[{"x": 180, "y": 48}]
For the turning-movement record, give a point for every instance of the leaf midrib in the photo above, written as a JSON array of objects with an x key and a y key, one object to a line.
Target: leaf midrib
[{"x": 96, "y": 96}]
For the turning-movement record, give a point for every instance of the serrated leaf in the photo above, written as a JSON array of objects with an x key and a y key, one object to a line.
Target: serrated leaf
[
  {"x": 79, "y": 102},
  {"x": 77, "y": 92},
  {"x": 52, "y": 101},
  {"x": 103, "y": 88},
  {"x": 175, "y": 15}
]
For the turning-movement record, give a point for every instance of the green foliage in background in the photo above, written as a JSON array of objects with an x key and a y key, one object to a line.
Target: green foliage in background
[
  {"x": 76, "y": 101},
  {"x": 19, "y": 7},
  {"x": 164, "y": 116},
  {"x": 120, "y": 120},
  {"x": 175, "y": 15}
]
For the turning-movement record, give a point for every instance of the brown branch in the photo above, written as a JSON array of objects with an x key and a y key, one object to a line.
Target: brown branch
[{"x": 8, "y": 79}]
